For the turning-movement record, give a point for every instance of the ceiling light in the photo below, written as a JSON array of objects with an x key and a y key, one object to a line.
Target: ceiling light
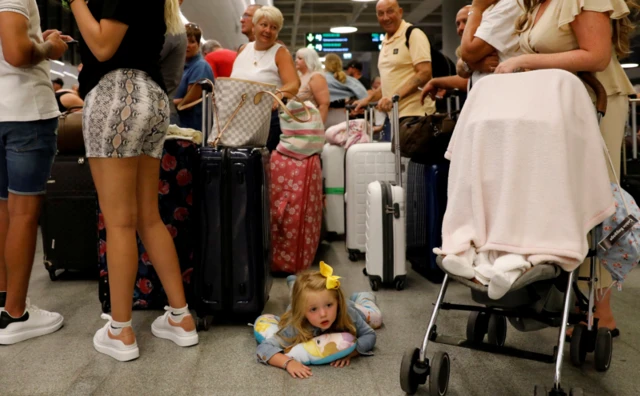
[
  {"x": 363, "y": 1},
  {"x": 70, "y": 75},
  {"x": 57, "y": 73},
  {"x": 343, "y": 29},
  {"x": 629, "y": 65},
  {"x": 57, "y": 62}
]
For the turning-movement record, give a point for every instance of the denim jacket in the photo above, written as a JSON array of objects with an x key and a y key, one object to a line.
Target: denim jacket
[{"x": 352, "y": 88}]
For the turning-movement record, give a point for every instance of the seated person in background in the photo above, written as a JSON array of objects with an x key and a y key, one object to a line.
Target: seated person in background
[
  {"x": 318, "y": 306},
  {"x": 195, "y": 69},
  {"x": 313, "y": 84},
  {"x": 58, "y": 84},
  {"x": 342, "y": 88},
  {"x": 220, "y": 59},
  {"x": 66, "y": 98},
  {"x": 266, "y": 61}
]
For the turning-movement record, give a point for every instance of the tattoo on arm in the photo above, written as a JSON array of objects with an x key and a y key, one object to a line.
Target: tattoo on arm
[{"x": 40, "y": 52}]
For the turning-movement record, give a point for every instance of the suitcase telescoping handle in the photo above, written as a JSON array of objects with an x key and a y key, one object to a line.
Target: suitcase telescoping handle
[
  {"x": 369, "y": 117},
  {"x": 395, "y": 132},
  {"x": 207, "y": 109}
]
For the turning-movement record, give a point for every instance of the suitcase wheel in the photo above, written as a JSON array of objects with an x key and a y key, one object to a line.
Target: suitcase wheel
[
  {"x": 353, "y": 256},
  {"x": 374, "y": 283},
  {"x": 364, "y": 272},
  {"x": 203, "y": 324},
  {"x": 51, "y": 269},
  {"x": 400, "y": 284}
]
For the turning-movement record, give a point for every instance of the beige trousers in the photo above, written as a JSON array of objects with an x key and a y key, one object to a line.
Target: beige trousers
[{"x": 612, "y": 129}]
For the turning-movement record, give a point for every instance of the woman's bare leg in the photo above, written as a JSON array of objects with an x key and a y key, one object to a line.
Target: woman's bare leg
[
  {"x": 115, "y": 180},
  {"x": 154, "y": 233}
]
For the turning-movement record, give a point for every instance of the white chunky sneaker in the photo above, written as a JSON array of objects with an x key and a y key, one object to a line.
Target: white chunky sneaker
[
  {"x": 35, "y": 322},
  {"x": 122, "y": 346},
  {"x": 180, "y": 329}
]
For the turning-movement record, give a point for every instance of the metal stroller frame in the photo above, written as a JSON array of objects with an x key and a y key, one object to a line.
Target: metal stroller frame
[{"x": 416, "y": 368}]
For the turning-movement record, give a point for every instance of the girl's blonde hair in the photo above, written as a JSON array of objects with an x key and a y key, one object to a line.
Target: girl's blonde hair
[
  {"x": 312, "y": 281},
  {"x": 172, "y": 17},
  {"x": 333, "y": 64},
  {"x": 622, "y": 28}
]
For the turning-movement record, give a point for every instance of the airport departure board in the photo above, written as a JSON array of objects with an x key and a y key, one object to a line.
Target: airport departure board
[{"x": 343, "y": 43}]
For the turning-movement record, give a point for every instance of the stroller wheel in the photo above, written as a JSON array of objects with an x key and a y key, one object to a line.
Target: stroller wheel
[
  {"x": 540, "y": 390},
  {"x": 578, "y": 350},
  {"x": 604, "y": 349},
  {"x": 477, "y": 326},
  {"x": 497, "y": 330},
  {"x": 409, "y": 380},
  {"x": 439, "y": 374},
  {"x": 576, "y": 392}
]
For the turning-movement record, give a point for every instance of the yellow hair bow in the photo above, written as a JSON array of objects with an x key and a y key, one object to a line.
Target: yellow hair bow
[{"x": 327, "y": 272}]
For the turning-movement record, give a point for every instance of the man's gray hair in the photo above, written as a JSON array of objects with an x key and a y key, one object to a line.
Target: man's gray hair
[{"x": 210, "y": 46}]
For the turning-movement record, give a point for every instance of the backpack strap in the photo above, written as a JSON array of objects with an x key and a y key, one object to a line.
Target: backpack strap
[{"x": 407, "y": 35}]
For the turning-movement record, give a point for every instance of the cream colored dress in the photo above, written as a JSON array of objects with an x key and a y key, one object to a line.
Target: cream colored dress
[{"x": 553, "y": 34}]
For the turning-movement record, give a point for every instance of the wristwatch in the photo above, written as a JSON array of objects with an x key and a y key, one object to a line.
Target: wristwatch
[{"x": 466, "y": 67}]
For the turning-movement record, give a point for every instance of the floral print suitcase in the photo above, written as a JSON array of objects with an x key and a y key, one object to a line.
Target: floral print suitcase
[
  {"x": 296, "y": 211},
  {"x": 175, "y": 203}
]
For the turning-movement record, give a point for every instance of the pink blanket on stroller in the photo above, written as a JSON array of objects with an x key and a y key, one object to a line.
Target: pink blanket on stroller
[{"x": 528, "y": 172}]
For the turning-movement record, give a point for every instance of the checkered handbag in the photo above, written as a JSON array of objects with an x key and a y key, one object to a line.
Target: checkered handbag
[{"x": 241, "y": 119}]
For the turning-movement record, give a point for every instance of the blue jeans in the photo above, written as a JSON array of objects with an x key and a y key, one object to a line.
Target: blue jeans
[{"x": 27, "y": 150}]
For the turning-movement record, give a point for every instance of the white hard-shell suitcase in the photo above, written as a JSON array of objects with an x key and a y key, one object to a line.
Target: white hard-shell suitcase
[
  {"x": 333, "y": 174},
  {"x": 364, "y": 164},
  {"x": 385, "y": 223}
]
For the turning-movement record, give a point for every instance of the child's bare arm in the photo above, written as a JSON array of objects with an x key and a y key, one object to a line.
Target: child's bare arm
[{"x": 293, "y": 367}]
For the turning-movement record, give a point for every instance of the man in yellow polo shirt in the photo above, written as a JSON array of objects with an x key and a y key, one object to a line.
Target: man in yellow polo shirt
[{"x": 403, "y": 68}]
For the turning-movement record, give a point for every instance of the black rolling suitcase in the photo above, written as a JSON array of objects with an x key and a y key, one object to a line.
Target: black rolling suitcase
[
  {"x": 69, "y": 218},
  {"x": 231, "y": 276}
]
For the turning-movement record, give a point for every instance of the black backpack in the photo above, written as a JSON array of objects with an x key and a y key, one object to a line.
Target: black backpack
[{"x": 441, "y": 65}]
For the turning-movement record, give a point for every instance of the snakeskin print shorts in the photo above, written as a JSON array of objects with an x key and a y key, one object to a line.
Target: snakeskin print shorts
[{"x": 125, "y": 115}]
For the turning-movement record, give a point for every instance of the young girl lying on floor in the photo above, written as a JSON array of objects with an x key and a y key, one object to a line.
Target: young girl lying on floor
[{"x": 318, "y": 306}]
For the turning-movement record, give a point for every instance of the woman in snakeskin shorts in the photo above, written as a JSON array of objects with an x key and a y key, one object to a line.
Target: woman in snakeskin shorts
[{"x": 125, "y": 120}]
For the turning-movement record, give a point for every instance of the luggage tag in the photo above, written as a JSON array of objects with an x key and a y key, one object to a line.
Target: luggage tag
[
  {"x": 621, "y": 230},
  {"x": 628, "y": 222}
]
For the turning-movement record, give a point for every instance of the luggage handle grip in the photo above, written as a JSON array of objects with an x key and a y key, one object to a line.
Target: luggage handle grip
[
  {"x": 207, "y": 88},
  {"x": 258, "y": 98},
  {"x": 395, "y": 130}
]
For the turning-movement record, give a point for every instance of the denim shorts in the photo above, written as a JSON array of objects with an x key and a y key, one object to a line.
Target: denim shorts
[{"x": 27, "y": 150}]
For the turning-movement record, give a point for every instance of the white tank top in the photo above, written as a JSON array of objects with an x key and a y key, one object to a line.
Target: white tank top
[{"x": 259, "y": 66}]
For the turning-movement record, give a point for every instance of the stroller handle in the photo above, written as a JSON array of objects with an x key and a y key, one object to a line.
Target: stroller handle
[{"x": 601, "y": 94}]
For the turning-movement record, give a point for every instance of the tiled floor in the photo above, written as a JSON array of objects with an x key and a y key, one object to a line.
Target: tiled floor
[{"x": 223, "y": 363}]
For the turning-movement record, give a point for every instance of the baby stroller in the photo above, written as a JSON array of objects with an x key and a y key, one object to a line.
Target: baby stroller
[{"x": 544, "y": 296}]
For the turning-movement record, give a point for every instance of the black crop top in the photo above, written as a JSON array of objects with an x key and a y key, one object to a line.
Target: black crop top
[{"x": 140, "y": 48}]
